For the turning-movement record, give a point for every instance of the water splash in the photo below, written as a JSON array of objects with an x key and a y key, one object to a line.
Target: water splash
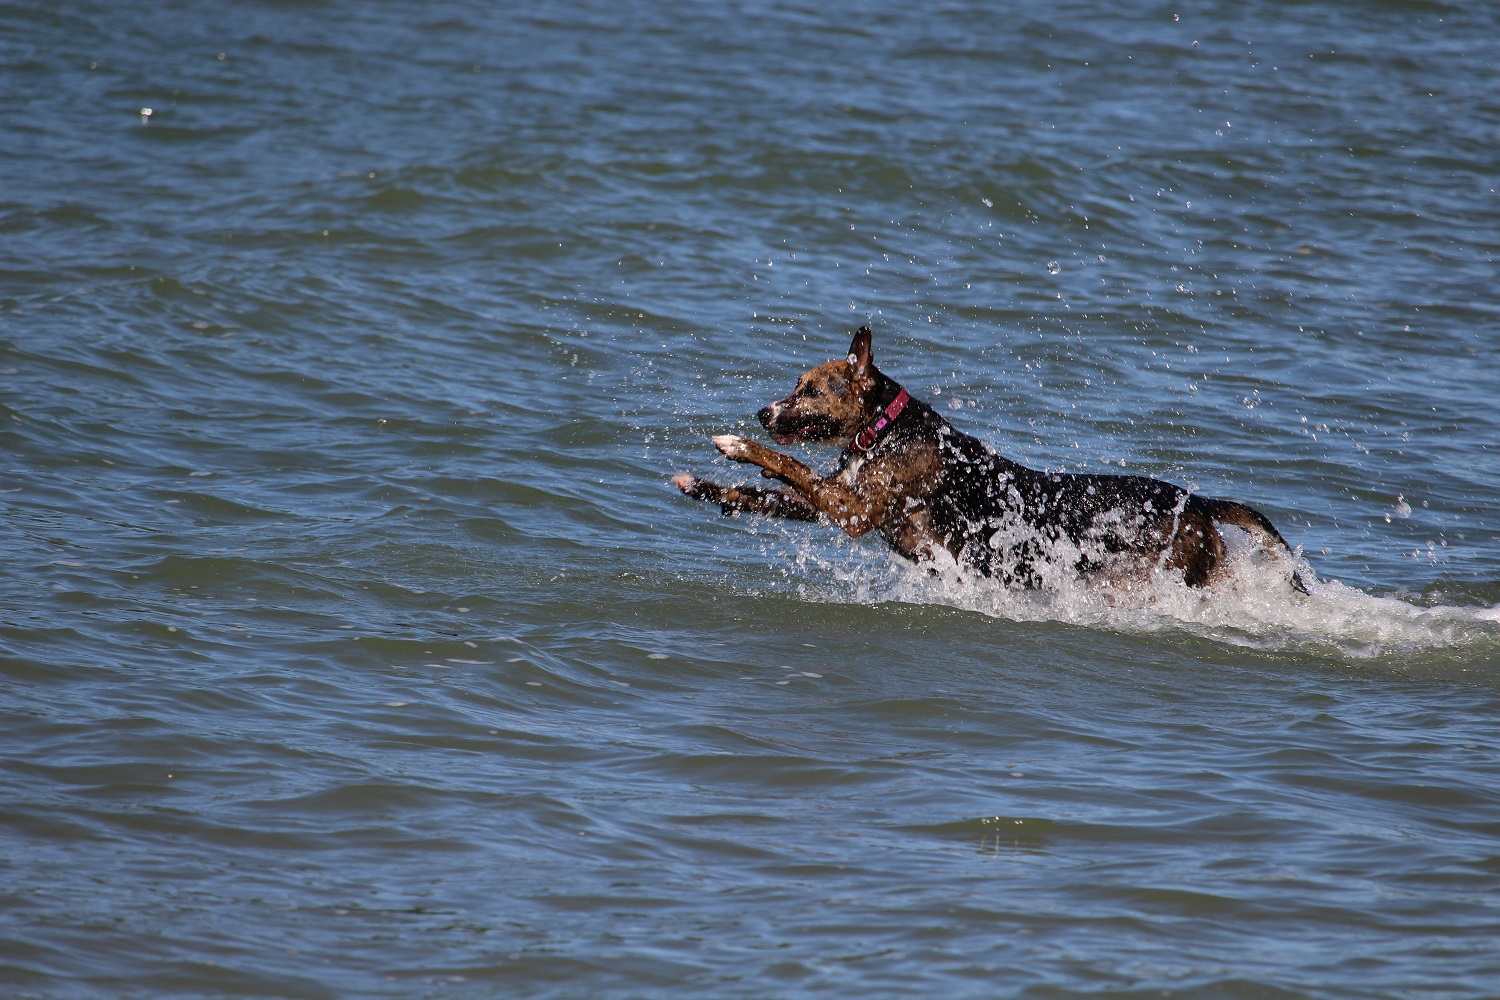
[{"x": 1252, "y": 608}]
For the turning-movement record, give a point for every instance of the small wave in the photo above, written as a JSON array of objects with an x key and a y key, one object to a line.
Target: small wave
[{"x": 1253, "y": 608}]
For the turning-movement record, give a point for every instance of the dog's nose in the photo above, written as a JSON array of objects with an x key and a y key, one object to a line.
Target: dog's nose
[{"x": 766, "y": 415}]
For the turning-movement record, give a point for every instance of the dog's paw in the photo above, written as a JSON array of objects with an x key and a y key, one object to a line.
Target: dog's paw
[
  {"x": 698, "y": 489},
  {"x": 734, "y": 447}
]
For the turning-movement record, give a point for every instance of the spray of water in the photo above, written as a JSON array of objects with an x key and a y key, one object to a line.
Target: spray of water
[{"x": 1252, "y": 606}]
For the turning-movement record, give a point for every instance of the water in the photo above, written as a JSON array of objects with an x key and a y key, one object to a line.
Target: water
[{"x": 355, "y": 642}]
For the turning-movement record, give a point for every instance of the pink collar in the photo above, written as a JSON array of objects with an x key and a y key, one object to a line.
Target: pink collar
[{"x": 865, "y": 439}]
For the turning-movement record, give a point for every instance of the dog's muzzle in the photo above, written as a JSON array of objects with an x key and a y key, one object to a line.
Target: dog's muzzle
[{"x": 772, "y": 419}]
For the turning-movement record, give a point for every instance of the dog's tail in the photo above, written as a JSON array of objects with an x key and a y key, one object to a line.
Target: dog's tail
[{"x": 1253, "y": 521}]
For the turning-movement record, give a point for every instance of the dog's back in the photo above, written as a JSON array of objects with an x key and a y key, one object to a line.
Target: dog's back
[{"x": 1008, "y": 521}]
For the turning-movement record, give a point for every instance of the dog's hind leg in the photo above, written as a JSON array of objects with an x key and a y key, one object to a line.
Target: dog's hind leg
[
  {"x": 1196, "y": 549},
  {"x": 1253, "y": 521},
  {"x": 747, "y": 499}
]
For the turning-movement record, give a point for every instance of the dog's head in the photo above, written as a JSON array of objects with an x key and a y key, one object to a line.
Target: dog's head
[{"x": 831, "y": 403}]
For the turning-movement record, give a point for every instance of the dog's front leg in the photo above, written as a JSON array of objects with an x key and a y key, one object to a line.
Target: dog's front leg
[
  {"x": 747, "y": 499},
  {"x": 839, "y": 503}
]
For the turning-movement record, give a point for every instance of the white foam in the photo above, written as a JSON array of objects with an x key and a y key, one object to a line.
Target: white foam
[{"x": 1254, "y": 606}]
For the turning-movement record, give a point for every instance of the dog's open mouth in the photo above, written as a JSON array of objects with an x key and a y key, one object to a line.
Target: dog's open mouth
[{"x": 813, "y": 430}]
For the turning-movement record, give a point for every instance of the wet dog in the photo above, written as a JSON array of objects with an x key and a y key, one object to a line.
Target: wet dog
[{"x": 931, "y": 490}]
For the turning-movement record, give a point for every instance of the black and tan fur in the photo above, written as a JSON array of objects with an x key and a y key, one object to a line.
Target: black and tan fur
[{"x": 929, "y": 488}]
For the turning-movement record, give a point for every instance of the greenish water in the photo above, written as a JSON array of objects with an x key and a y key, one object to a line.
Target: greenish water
[{"x": 355, "y": 643}]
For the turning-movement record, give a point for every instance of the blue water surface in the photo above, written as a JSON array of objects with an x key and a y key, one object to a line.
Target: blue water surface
[{"x": 355, "y": 643}]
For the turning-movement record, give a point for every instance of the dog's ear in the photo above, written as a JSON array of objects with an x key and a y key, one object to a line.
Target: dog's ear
[{"x": 859, "y": 355}]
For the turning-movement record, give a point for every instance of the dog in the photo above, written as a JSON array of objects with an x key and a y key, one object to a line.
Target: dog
[{"x": 931, "y": 490}]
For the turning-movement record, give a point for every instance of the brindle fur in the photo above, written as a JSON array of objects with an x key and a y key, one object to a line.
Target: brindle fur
[{"x": 926, "y": 487}]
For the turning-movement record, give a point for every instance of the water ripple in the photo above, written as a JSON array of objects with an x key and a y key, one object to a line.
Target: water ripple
[{"x": 355, "y": 641}]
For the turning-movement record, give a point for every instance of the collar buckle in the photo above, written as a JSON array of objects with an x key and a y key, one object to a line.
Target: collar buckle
[{"x": 870, "y": 434}]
